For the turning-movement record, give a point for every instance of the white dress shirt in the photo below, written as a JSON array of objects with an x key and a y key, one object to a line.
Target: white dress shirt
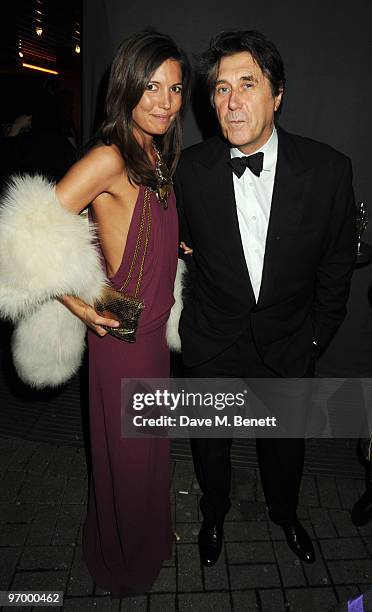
[{"x": 253, "y": 196}]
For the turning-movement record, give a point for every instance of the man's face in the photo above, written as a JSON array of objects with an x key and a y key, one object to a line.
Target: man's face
[{"x": 244, "y": 102}]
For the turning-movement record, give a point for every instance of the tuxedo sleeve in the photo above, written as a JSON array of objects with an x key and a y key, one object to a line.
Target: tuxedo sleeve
[
  {"x": 337, "y": 262},
  {"x": 184, "y": 229}
]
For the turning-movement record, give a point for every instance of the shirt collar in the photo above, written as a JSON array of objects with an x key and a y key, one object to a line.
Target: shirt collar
[{"x": 269, "y": 149}]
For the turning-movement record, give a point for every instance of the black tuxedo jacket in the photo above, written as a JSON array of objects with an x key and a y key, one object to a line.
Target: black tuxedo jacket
[{"x": 308, "y": 263}]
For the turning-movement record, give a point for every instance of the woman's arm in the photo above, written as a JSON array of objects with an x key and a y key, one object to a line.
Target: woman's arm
[
  {"x": 86, "y": 180},
  {"x": 87, "y": 314},
  {"x": 89, "y": 177}
]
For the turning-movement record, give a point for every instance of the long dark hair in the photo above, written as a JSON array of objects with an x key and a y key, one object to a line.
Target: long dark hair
[
  {"x": 261, "y": 49},
  {"x": 138, "y": 57}
]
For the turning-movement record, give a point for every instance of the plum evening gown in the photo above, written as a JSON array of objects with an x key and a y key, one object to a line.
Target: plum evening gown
[{"x": 128, "y": 532}]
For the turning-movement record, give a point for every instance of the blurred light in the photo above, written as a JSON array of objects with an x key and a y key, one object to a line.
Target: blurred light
[
  {"x": 20, "y": 53},
  {"x": 77, "y": 48},
  {"x": 39, "y": 68},
  {"x": 39, "y": 30}
]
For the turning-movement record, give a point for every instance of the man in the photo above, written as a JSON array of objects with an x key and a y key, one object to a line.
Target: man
[{"x": 270, "y": 219}]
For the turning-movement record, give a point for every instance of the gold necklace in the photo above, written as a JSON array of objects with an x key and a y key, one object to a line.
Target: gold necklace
[{"x": 163, "y": 178}]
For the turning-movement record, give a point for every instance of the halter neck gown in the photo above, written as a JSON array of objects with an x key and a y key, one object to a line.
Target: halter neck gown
[{"x": 127, "y": 532}]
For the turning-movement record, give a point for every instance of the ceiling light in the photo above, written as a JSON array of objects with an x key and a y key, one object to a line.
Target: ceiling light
[{"x": 39, "y": 68}]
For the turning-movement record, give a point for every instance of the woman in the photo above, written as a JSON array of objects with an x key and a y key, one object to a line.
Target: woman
[{"x": 127, "y": 533}]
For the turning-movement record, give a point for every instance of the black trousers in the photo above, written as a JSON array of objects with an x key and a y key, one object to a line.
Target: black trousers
[{"x": 280, "y": 459}]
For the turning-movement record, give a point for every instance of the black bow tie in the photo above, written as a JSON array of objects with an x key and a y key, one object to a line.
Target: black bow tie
[{"x": 253, "y": 162}]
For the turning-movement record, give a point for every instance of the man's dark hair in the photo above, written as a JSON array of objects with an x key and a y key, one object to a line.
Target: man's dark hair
[
  {"x": 261, "y": 49},
  {"x": 138, "y": 57}
]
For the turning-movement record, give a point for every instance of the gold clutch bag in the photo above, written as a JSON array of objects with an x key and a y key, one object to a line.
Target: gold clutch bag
[
  {"x": 117, "y": 305},
  {"x": 126, "y": 309}
]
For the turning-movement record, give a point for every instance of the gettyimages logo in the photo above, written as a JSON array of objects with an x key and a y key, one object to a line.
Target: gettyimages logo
[
  {"x": 190, "y": 408},
  {"x": 246, "y": 408},
  {"x": 188, "y": 399}
]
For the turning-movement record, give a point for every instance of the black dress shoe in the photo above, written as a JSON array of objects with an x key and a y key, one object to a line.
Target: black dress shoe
[
  {"x": 210, "y": 543},
  {"x": 361, "y": 513},
  {"x": 299, "y": 541}
]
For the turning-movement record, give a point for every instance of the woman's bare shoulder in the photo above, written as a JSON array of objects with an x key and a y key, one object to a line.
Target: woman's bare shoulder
[
  {"x": 95, "y": 173},
  {"x": 107, "y": 159}
]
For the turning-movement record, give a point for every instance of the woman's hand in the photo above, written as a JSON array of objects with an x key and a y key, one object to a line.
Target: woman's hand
[
  {"x": 87, "y": 314},
  {"x": 187, "y": 250}
]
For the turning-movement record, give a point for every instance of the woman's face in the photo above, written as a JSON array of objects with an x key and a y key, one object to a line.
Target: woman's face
[{"x": 161, "y": 100}]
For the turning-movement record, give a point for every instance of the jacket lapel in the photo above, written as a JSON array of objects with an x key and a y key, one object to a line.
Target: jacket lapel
[
  {"x": 219, "y": 203},
  {"x": 291, "y": 185}
]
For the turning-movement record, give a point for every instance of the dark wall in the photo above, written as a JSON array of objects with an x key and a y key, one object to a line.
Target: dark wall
[{"x": 327, "y": 50}]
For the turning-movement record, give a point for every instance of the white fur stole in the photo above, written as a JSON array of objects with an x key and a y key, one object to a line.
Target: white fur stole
[{"x": 46, "y": 252}]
